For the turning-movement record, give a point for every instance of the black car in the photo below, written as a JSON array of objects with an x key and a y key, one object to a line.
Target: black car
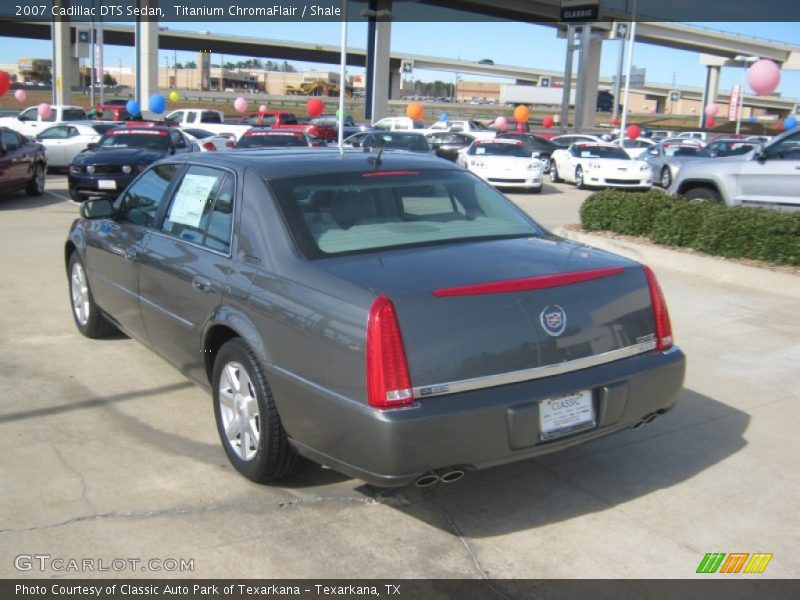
[
  {"x": 534, "y": 143},
  {"x": 22, "y": 164},
  {"x": 106, "y": 168},
  {"x": 446, "y": 144}
]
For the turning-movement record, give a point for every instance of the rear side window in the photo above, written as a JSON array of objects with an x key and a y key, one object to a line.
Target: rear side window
[
  {"x": 202, "y": 208},
  {"x": 209, "y": 116},
  {"x": 74, "y": 114},
  {"x": 288, "y": 119},
  {"x": 343, "y": 213},
  {"x": 141, "y": 201}
]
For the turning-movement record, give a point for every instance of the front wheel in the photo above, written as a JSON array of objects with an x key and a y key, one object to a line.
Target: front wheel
[
  {"x": 703, "y": 193},
  {"x": 89, "y": 320},
  {"x": 36, "y": 185},
  {"x": 554, "y": 178},
  {"x": 666, "y": 177},
  {"x": 579, "y": 183},
  {"x": 247, "y": 419}
]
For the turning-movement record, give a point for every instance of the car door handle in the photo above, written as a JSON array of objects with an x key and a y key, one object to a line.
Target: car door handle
[
  {"x": 201, "y": 284},
  {"x": 130, "y": 254}
]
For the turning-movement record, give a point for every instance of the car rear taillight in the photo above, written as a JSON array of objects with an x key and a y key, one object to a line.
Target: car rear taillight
[
  {"x": 388, "y": 382},
  {"x": 230, "y": 144},
  {"x": 313, "y": 130},
  {"x": 660, "y": 312},
  {"x": 209, "y": 146}
]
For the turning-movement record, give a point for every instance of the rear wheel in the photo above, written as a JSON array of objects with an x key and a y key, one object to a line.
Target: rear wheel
[
  {"x": 703, "y": 193},
  {"x": 579, "y": 179},
  {"x": 247, "y": 419},
  {"x": 666, "y": 177},
  {"x": 554, "y": 178},
  {"x": 36, "y": 185},
  {"x": 89, "y": 320}
]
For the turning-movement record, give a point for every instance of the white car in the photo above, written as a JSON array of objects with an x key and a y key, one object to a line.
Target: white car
[
  {"x": 30, "y": 123},
  {"x": 210, "y": 142},
  {"x": 504, "y": 163},
  {"x": 64, "y": 141},
  {"x": 473, "y": 128},
  {"x": 566, "y": 140},
  {"x": 599, "y": 165},
  {"x": 697, "y": 135},
  {"x": 635, "y": 148}
]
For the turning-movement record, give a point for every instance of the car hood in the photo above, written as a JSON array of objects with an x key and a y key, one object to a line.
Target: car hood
[
  {"x": 119, "y": 156},
  {"x": 616, "y": 163},
  {"x": 495, "y": 162}
]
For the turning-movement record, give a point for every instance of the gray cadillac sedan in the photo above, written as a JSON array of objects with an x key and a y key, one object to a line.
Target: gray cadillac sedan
[{"x": 393, "y": 316}]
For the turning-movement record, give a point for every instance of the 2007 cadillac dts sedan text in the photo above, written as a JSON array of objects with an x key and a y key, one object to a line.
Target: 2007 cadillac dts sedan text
[{"x": 391, "y": 316}]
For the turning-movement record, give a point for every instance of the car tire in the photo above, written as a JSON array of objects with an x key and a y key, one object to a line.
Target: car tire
[
  {"x": 703, "y": 193},
  {"x": 36, "y": 185},
  {"x": 535, "y": 190},
  {"x": 579, "y": 183},
  {"x": 88, "y": 317},
  {"x": 244, "y": 409},
  {"x": 547, "y": 164},
  {"x": 554, "y": 178},
  {"x": 75, "y": 196},
  {"x": 666, "y": 177}
]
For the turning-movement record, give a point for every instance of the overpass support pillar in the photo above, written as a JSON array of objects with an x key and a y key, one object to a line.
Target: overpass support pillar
[
  {"x": 711, "y": 90},
  {"x": 65, "y": 67},
  {"x": 380, "y": 84},
  {"x": 146, "y": 60},
  {"x": 588, "y": 79}
]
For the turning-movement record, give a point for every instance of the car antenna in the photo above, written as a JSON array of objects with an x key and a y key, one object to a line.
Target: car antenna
[{"x": 376, "y": 161}]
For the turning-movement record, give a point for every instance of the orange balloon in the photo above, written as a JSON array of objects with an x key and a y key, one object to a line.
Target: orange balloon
[
  {"x": 522, "y": 112},
  {"x": 415, "y": 110}
]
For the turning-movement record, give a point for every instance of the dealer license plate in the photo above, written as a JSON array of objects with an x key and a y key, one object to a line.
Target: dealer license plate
[
  {"x": 106, "y": 184},
  {"x": 565, "y": 415}
]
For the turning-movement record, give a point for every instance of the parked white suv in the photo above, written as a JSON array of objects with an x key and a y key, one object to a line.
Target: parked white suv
[
  {"x": 398, "y": 124},
  {"x": 767, "y": 176}
]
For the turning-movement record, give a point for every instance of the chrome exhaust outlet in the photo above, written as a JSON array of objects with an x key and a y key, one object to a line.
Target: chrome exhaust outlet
[
  {"x": 427, "y": 480},
  {"x": 451, "y": 476}
]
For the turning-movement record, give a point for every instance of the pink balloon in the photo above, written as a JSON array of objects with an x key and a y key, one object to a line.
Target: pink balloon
[
  {"x": 763, "y": 77},
  {"x": 240, "y": 105},
  {"x": 20, "y": 95},
  {"x": 501, "y": 122},
  {"x": 262, "y": 109},
  {"x": 711, "y": 109},
  {"x": 44, "y": 110}
]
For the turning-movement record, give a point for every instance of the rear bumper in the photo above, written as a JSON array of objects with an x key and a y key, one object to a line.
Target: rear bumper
[{"x": 469, "y": 430}]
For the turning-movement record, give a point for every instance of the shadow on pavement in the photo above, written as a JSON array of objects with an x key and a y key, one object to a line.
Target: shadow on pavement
[{"x": 21, "y": 201}]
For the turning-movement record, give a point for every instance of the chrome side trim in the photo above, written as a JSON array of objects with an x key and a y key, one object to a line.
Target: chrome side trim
[{"x": 478, "y": 383}]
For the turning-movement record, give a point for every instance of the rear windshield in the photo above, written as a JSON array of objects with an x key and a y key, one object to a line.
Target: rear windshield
[
  {"x": 515, "y": 150},
  {"x": 398, "y": 141},
  {"x": 341, "y": 213},
  {"x": 122, "y": 138},
  {"x": 271, "y": 141},
  {"x": 101, "y": 128}
]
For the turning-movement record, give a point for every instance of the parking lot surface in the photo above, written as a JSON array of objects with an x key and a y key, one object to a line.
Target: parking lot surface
[{"x": 109, "y": 453}]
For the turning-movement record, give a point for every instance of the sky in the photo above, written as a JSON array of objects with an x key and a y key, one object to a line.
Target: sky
[{"x": 517, "y": 44}]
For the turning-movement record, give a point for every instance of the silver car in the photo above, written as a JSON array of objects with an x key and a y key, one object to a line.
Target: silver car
[
  {"x": 666, "y": 159},
  {"x": 766, "y": 176}
]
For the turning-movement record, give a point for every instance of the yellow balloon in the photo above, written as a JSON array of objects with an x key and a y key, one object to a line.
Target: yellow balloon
[{"x": 174, "y": 96}]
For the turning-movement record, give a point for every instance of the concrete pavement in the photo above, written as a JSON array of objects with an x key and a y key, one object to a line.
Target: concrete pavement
[{"x": 108, "y": 453}]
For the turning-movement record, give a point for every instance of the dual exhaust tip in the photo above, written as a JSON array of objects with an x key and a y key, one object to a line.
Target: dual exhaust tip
[
  {"x": 443, "y": 476},
  {"x": 646, "y": 420}
]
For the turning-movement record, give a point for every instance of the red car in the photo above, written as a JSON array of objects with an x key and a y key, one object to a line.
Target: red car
[
  {"x": 22, "y": 164},
  {"x": 286, "y": 120}
]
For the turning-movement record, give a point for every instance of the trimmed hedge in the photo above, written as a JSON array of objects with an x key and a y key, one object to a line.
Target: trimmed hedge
[{"x": 738, "y": 232}]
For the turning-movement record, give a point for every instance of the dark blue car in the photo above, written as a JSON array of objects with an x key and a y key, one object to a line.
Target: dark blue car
[{"x": 107, "y": 167}]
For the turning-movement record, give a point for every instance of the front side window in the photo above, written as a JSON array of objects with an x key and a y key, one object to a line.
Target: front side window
[
  {"x": 10, "y": 141},
  {"x": 342, "y": 213},
  {"x": 787, "y": 149},
  {"x": 54, "y": 133},
  {"x": 202, "y": 208},
  {"x": 141, "y": 202},
  {"x": 29, "y": 115}
]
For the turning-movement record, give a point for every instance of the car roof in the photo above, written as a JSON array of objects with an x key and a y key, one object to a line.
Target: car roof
[{"x": 297, "y": 162}]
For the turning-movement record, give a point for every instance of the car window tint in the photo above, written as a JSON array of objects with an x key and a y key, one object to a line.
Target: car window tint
[
  {"x": 220, "y": 221},
  {"x": 73, "y": 114},
  {"x": 178, "y": 140},
  {"x": 356, "y": 212},
  {"x": 195, "y": 202},
  {"x": 787, "y": 149},
  {"x": 10, "y": 141},
  {"x": 140, "y": 203},
  {"x": 288, "y": 119},
  {"x": 31, "y": 114},
  {"x": 54, "y": 133},
  {"x": 210, "y": 116}
]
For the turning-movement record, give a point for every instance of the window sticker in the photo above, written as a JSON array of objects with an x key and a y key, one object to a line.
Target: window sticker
[{"x": 191, "y": 199}]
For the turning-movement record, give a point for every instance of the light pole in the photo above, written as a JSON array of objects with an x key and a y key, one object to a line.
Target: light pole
[{"x": 745, "y": 60}]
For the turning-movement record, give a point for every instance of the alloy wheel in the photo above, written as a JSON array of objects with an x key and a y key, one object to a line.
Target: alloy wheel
[{"x": 239, "y": 412}]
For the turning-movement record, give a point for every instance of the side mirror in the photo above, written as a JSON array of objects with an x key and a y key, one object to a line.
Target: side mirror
[
  {"x": 97, "y": 209},
  {"x": 91, "y": 146},
  {"x": 760, "y": 155}
]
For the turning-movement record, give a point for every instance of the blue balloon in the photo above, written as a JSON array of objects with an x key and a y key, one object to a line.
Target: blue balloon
[
  {"x": 753, "y": 119},
  {"x": 790, "y": 122},
  {"x": 133, "y": 108},
  {"x": 157, "y": 103},
  {"x": 443, "y": 117}
]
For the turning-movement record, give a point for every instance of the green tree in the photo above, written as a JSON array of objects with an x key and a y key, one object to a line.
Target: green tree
[{"x": 108, "y": 79}]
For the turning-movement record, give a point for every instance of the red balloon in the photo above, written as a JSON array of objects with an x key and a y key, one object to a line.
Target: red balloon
[
  {"x": 615, "y": 122},
  {"x": 314, "y": 107},
  {"x": 520, "y": 127},
  {"x": 710, "y": 122},
  {"x": 633, "y": 132},
  {"x": 547, "y": 122},
  {"x": 5, "y": 83},
  {"x": 778, "y": 127}
]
